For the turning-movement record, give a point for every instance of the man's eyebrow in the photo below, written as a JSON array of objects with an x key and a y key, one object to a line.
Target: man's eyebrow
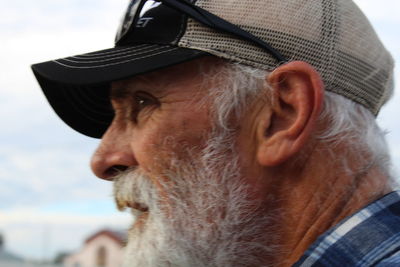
[{"x": 119, "y": 92}]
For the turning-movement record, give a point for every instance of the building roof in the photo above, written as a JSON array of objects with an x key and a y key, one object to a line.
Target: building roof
[{"x": 118, "y": 236}]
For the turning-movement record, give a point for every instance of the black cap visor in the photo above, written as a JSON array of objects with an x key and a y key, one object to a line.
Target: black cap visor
[{"x": 78, "y": 87}]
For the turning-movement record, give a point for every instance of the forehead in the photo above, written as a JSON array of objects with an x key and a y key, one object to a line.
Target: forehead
[{"x": 188, "y": 74}]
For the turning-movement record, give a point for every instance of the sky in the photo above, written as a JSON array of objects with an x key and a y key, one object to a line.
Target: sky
[{"x": 49, "y": 200}]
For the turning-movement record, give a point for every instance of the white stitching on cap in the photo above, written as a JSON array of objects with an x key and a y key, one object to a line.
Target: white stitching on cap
[
  {"x": 106, "y": 53},
  {"x": 112, "y": 64},
  {"x": 115, "y": 54},
  {"x": 113, "y": 58},
  {"x": 99, "y": 53}
]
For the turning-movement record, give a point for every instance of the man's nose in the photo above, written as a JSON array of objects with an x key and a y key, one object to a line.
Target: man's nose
[{"x": 113, "y": 155}]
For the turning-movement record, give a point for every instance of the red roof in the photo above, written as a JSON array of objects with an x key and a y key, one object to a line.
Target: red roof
[{"x": 118, "y": 236}]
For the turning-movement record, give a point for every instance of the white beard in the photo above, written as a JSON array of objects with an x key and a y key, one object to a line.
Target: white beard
[{"x": 205, "y": 219}]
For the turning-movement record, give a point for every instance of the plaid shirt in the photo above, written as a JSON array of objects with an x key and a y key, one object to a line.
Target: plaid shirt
[{"x": 371, "y": 237}]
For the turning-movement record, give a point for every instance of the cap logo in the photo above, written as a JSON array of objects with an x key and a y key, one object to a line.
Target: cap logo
[
  {"x": 130, "y": 14},
  {"x": 149, "y": 4},
  {"x": 150, "y": 21},
  {"x": 142, "y": 22}
]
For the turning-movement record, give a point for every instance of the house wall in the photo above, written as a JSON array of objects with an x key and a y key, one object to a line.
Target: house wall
[{"x": 87, "y": 257}]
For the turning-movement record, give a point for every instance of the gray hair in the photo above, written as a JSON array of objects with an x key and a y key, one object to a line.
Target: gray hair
[{"x": 349, "y": 123}]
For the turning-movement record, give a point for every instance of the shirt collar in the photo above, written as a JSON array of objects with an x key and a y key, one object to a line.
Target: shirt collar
[{"x": 364, "y": 237}]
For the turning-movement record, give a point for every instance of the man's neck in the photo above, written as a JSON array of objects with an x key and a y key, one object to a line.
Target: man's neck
[{"x": 317, "y": 195}]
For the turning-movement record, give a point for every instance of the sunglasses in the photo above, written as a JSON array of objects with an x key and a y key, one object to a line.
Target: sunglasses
[{"x": 137, "y": 9}]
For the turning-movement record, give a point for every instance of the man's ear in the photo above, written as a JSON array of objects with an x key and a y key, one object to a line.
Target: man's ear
[{"x": 297, "y": 98}]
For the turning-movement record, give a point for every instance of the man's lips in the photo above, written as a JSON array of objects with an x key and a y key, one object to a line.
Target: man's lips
[
  {"x": 138, "y": 206},
  {"x": 122, "y": 205}
]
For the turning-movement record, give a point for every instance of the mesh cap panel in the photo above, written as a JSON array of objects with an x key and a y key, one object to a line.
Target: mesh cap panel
[{"x": 332, "y": 35}]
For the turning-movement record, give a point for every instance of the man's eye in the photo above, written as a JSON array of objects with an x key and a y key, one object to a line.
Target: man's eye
[{"x": 142, "y": 101}]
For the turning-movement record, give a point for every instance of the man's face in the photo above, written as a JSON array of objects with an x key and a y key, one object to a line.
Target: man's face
[
  {"x": 181, "y": 176},
  {"x": 155, "y": 115}
]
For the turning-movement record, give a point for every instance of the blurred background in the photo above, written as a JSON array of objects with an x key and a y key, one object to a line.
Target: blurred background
[{"x": 51, "y": 205}]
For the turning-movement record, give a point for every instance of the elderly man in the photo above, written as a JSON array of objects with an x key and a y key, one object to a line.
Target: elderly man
[{"x": 239, "y": 132}]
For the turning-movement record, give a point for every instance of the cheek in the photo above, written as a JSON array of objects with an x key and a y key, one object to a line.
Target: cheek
[{"x": 157, "y": 143}]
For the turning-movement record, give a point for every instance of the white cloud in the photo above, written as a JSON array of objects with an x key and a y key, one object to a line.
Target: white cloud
[
  {"x": 41, "y": 175},
  {"x": 384, "y": 10},
  {"x": 36, "y": 216},
  {"x": 23, "y": 16}
]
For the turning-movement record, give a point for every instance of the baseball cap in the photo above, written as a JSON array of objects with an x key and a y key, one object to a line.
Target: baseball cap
[{"x": 334, "y": 36}]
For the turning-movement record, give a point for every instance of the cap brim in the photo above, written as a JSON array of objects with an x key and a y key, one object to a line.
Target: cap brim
[{"x": 78, "y": 87}]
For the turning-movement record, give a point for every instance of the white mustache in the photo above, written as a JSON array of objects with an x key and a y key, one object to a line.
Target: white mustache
[{"x": 133, "y": 189}]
